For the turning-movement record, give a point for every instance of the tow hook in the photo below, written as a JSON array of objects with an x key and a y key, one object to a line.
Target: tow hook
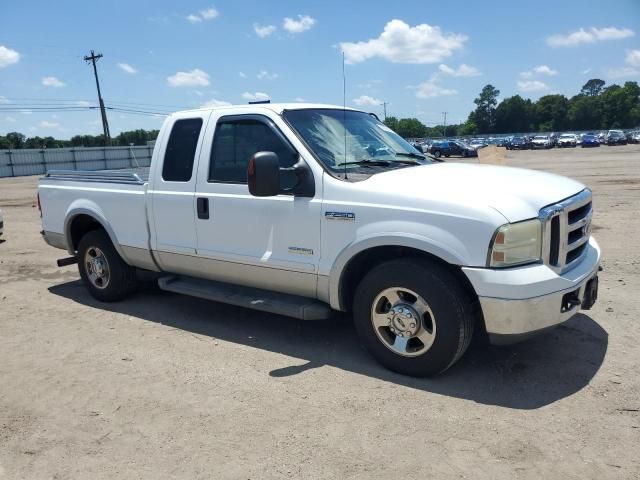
[{"x": 64, "y": 262}]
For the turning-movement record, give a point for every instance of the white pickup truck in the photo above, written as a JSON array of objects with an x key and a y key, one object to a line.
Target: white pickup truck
[{"x": 303, "y": 209}]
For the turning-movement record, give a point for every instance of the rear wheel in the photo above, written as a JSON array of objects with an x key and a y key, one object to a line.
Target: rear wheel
[
  {"x": 107, "y": 277},
  {"x": 413, "y": 316},
  {"x": 437, "y": 154}
]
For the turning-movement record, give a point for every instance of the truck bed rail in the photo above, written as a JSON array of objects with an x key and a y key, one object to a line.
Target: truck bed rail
[{"x": 103, "y": 176}]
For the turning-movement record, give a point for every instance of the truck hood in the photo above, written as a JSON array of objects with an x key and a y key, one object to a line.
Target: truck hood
[{"x": 517, "y": 193}]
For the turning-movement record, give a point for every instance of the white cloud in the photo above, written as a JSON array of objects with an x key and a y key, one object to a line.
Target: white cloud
[
  {"x": 242, "y": 74},
  {"x": 10, "y": 119},
  {"x": 255, "y": 97},
  {"x": 589, "y": 35},
  {"x": 366, "y": 100},
  {"x": 47, "y": 124},
  {"x": 539, "y": 70},
  {"x": 4, "y": 99},
  {"x": 633, "y": 58},
  {"x": 462, "y": 71},
  {"x": 26, "y": 112},
  {"x": 194, "y": 78},
  {"x": 299, "y": 99},
  {"x": 125, "y": 67},
  {"x": 8, "y": 56},
  {"x": 623, "y": 72},
  {"x": 215, "y": 103},
  {"x": 532, "y": 86},
  {"x": 264, "y": 30},
  {"x": 586, "y": 71},
  {"x": 265, "y": 75},
  {"x": 302, "y": 24},
  {"x": 400, "y": 43},
  {"x": 209, "y": 13},
  {"x": 431, "y": 90},
  {"x": 52, "y": 82}
]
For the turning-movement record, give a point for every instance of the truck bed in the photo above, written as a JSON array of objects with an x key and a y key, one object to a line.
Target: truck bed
[{"x": 116, "y": 198}]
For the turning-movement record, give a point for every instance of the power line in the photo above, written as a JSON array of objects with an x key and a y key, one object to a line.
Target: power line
[
  {"x": 105, "y": 124},
  {"x": 444, "y": 128}
]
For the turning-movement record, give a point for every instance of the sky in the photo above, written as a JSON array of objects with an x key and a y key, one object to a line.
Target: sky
[{"x": 422, "y": 58}]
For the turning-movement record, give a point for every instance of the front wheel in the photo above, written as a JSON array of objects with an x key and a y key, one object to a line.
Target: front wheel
[
  {"x": 107, "y": 277},
  {"x": 413, "y": 316},
  {"x": 437, "y": 154}
]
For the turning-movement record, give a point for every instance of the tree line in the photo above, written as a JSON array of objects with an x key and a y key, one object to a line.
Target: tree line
[
  {"x": 16, "y": 140},
  {"x": 595, "y": 107}
]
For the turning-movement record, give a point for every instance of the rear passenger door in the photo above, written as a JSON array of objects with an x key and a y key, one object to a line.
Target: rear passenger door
[{"x": 172, "y": 190}]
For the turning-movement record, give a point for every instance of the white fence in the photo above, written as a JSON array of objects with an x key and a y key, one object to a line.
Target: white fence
[{"x": 16, "y": 163}]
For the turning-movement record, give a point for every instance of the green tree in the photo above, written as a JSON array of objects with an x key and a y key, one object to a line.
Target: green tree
[
  {"x": 585, "y": 112},
  {"x": 593, "y": 87},
  {"x": 551, "y": 113},
  {"x": 411, "y": 128},
  {"x": 392, "y": 123},
  {"x": 484, "y": 116},
  {"x": 514, "y": 114},
  {"x": 15, "y": 139}
]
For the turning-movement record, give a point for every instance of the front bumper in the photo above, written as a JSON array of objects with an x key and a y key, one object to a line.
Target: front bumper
[{"x": 520, "y": 302}]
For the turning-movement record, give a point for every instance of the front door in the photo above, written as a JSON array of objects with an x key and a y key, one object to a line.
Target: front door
[{"x": 266, "y": 242}]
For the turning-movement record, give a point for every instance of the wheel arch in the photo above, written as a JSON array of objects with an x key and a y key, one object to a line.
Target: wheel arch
[
  {"x": 348, "y": 272},
  {"x": 82, "y": 219}
]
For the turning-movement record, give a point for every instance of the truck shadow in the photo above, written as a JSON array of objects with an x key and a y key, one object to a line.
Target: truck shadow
[{"x": 529, "y": 375}]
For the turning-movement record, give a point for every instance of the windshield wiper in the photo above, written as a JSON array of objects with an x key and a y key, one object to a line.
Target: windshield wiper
[
  {"x": 367, "y": 163},
  {"x": 409, "y": 154}
]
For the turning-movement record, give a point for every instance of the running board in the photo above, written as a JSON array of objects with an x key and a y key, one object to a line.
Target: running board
[{"x": 273, "y": 302}]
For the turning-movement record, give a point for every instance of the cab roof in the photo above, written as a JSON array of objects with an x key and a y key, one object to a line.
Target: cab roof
[{"x": 274, "y": 107}]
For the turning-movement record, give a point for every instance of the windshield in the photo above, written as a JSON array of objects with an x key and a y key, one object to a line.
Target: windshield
[
  {"x": 539, "y": 137},
  {"x": 566, "y": 135},
  {"x": 328, "y": 131}
]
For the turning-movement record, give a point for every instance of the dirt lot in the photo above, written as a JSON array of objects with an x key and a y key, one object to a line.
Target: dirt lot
[{"x": 164, "y": 386}]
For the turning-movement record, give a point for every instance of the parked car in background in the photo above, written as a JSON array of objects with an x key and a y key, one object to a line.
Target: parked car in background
[
  {"x": 602, "y": 137},
  {"x": 589, "y": 140},
  {"x": 518, "y": 143},
  {"x": 541, "y": 141},
  {"x": 634, "y": 137},
  {"x": 554, "y": 139},
  {"x": 567, "y": 140},
  {"x": 478, "y": 143},
  {"x": 447, "y": 148},
  {"x": 616, "y": 137}
]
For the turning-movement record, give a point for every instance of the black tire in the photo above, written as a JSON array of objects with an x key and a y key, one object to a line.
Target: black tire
[
  {"x": 452, "y": 321},
  {"x": 437, "y": 154},
  {"x": 121, "y": 280}
]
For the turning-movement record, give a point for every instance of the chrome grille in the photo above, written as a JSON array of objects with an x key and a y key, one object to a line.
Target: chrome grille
[{"x": 566, "y": 230}]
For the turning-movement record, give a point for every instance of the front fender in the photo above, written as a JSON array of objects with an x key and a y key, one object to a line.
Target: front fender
[
  {"x": 452, "y": 251},
  {"x": 93, "y": 210}
]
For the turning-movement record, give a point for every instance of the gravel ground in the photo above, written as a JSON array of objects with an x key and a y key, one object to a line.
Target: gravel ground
[{"x": 165, "y": 386}]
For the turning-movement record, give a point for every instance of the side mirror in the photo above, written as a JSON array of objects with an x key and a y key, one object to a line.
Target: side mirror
[{"x": 263, "y": 174}]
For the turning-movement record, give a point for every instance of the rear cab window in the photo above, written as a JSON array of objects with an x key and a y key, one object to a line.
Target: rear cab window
[{"x": 181, "y": 148}]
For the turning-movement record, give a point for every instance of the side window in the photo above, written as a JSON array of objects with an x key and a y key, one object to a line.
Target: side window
[
  {"x": 235, "y": 142},
  {"x": 181, "y": 150}
]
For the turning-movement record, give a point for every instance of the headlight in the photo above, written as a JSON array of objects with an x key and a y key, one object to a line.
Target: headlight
[{"x": 516, "y": 244}]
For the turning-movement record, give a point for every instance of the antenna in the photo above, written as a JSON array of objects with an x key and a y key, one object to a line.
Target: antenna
[{"x": 344, "y": 114}]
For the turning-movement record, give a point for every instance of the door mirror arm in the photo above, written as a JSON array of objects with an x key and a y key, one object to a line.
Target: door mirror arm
[{"x": 305, "y": 186}]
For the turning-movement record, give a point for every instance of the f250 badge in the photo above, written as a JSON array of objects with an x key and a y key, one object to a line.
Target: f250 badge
[{"x": 342, "y": 216}]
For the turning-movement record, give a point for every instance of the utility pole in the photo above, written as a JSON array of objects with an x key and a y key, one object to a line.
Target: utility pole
[
  {"x": 384, "y": 105},
  {"x": 105, "y": 124},
  {"x": 444, "y": 130}
]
